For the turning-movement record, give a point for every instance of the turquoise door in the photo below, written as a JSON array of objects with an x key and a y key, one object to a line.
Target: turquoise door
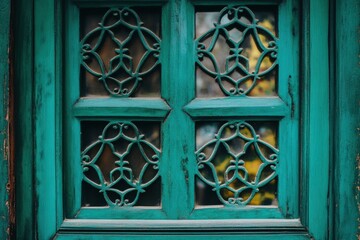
[
  {"x": 178, "y": 119},
  {"x": 181, "y": 111}
]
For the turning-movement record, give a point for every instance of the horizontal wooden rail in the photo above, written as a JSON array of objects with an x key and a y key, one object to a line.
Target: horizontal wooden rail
[
  {"x": 237, "y": 107},
  {"x": 121, "y": 107},
  {"x": 176, "y": 225}
]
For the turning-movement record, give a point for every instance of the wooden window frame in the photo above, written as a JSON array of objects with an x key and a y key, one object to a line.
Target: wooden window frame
[
  {"x": 175, "y": 77},
  {"x": 38, "y": 178}
]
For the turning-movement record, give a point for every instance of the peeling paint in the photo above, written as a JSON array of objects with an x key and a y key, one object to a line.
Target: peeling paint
[
  {"x": 357, "y": 190},
  {"x": 184, "y": 163},
  {"x": 5, "y": 149},
  {"x": 291, "y": 95}
]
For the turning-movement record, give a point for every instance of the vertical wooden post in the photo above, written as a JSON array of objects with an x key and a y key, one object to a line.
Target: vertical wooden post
[
  {"x": 44, "y": 119},
  {"x": 23, "y": 118},
  {"x": 315, "y": 139},
  {"x": 347, "y": 116},
  {"x": 4, "y": 111}
]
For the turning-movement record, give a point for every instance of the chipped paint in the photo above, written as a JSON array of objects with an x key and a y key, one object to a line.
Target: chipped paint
[
  {"x": 357, "y": 191},
  {"x": 4, "y": 116},
  {"x": 5, "y": 149},
  {"x": 291, "y": 95}
]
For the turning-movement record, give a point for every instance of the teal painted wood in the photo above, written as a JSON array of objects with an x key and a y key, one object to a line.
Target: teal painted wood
[
  {"x": 288, "y": 88},
  {"x": 121, "y": 213},
  {"x": 287, "y": 108},
  {"x": 23, "y": 118},
  {"x": 115, "y": 107},
  {"x": 177, "y": 89},
  {"x": 315, "y": 110},
  {"x": 248, "y": 212},
  {"x": 116, "y": 3},
  {"x": 315, "y": 139},
  {"x": 184, "y": 236},
  {"x": 246, "y": 2},
  {"x": 4, "y": 125},
  {"x": 235, "y": 107},
  {"x": 72, "y": 165},
  {"x": 59, "y": 75},
  {"x": 185, "y": 225},
  {"x": 176, "y": 77},
  {"x": 101, "y": 108},
  {"x": 44, "y": 115},
  {"x": 346, "y": 134},
  {"x": 332, "y": 124},
  {"x": 305, "y": 70}
]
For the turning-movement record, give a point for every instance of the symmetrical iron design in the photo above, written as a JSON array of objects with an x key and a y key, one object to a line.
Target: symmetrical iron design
[
  {"x": 122, "y": 182},
  {"x": 243, "y": 20},
  {"x": 236, "y": 179},
  {"x": 120, "y": 76}
]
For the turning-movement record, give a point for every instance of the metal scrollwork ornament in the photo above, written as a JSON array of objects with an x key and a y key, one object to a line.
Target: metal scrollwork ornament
[
  {"x": 243, "y": 20},
  {"x": 132, "y": 185},
  {"x": 120, "y": 76},
  {"x": 236, "y": 177}
]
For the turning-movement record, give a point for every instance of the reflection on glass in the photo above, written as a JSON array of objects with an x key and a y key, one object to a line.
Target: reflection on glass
[
  {"x": 120, "y": 52},
  {"x": 235, "y": 60},
  {"x": 235, "y": 167},
  {"x": 120, "y": 163}
]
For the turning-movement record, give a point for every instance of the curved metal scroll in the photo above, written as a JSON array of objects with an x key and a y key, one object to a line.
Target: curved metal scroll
[
  {"x": 236, "y": 171},
  {"x": 122, "y": 173},
  {"x": 120, "y": 72},
  {"x": 242, "y": 19}
]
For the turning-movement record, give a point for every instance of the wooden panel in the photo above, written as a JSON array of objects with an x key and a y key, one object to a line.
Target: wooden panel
[
  {"x": 315, "y": 139},
  {"x": 4, "y": 117},
  {"x": 186, "y": 236},
  {"x": 44, "y": 111},
  {"x": 72, "y": 166},
  {"x": 249, "y": 212},
  {"x": 115, "y": 107},
  {"x": 224, "y": 2},
  {"x": 59, "y": 88},
  {"x": 121, "y": 213},
  {"x": 115, "y": 3},
  {"x": 235, "y": 107},
  {"x": 347, "y": 126},
  {"x": 186, "y": 225},
  {"x": 23, "y": 90},
  {"x": 177, "y": 169},
  {"x": 289, "y": 91}
]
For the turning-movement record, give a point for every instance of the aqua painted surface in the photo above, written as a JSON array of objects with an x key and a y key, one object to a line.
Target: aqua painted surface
[
  {"x": 4, "y": 108},
  {"x": 40, "y": 167},
  {"x": 185, "y": 236},
  {"x": 23, "y": 119},
  {"x": 316, "y": 102},
  {"x": 347, "y": 116}
]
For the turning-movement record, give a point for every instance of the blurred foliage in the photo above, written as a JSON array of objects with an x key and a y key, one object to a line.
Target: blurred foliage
[
  {"x": 268, "y": 133},
  {"x": 206, "y": 85}
]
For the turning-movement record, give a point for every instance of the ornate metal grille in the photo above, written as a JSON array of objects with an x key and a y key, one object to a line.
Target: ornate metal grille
[
  {"x": 131, "y": 173},
  {"x": 120, "y": 73},
  {"x": 235, "y": 186},
  {"x": 238, "y": 69}
]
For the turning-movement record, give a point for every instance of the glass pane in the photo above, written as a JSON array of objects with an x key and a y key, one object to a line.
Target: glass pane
[
  {"x": 237, "y": 163},
  {"x": 120, "y": 50},
  {"x": 120, "y": 161},
  {"x": 239, "y": 56}
]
